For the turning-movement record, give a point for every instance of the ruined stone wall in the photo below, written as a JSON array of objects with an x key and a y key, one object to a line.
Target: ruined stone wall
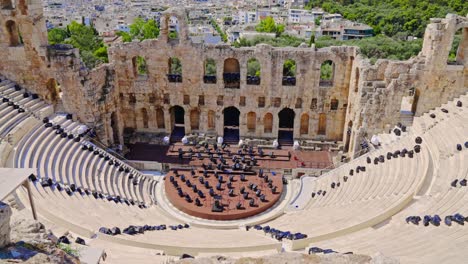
[{"x": 114, "y": 98}]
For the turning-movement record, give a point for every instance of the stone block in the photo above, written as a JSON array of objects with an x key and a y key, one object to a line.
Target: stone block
[{"x": 5, "y": 214}]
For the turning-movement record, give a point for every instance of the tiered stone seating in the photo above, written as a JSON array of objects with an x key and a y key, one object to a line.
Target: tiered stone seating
[{"x": 419, "y": 244}]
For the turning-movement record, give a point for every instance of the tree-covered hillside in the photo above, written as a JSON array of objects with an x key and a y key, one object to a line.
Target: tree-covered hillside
[{"x": 397, "y": 18}]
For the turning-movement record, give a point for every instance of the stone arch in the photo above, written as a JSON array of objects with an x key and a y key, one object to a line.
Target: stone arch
[
  {"x": 322, "y": 126},
  {"x": 173, "y": 28},
  {"x": 327, "y": 73},
  {"x": 175, "y": 70},
  {"x": 251, "y": 121},
  {"x": 13, "y": 33},
  {"x": 140, "y": 68},
  {"x": 461, "y": 52},
  {"x": 286, "y": 126},
  {"x": 304, "y": 130},
  {"x": 209, "y": 71},
  {"x": 231, "y": 124},
  {"x": 53, "y": 90},
  {"x": 6, "y": 4},
  {"x": 177, "y": 116},
  {"x": 211, "y": 120},
  {"x": 356, "y": 80},
  {"x": 231, "y": 73},
  {"x": 334, "y": 103},
  {"x": 253, "y": 71},
  {"x": 268, "y": 123},
  {"x": 160, "y": 118},
  {"x": 289, "y": 72},
  {"x": 195, "y": 119},
  {"x": 144, "y": 117}
]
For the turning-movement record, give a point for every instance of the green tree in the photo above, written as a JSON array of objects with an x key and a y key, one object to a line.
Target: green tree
[
  {"x": 57, "y": 35},
  {"x": 268, "y": 25},
  {"x": 140, "y": 30},
  {"x": 85, "y": 38},
  {"x": 210, "y": 67},
  {"x": 289, "y": 68},
  {"x": 253, "y": 67}
]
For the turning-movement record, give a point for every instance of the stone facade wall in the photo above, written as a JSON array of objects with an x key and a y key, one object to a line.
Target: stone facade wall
[
  {"x": 5, "y": 214},
  {"x": 115, "y": 99}
]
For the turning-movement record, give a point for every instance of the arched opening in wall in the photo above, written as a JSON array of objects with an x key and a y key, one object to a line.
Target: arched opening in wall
[
  {"x": 349, "y": 132},
  {"x": 14, "y": 36},
  {"x": 322, "y": 126},
  {"x": 210, "y": 71},
  {"x": 286, "y": 126},
  {"x": 289, "y": 72},
  {"x": 356, "y": 80},
  {"x": 195, "y": 119},
  {"x": 458, "y": 53},
  {"x": 251, "y": 121},
  {"x": 173, "y": 27},
  {"x": 304, "y": 124},
  {"x": 160, "y": 118},
  {"x": 211, "y": 120},
  {"x": 231, "y": 73},
  {"x": 144, "y": 117},
  {"x": 6, "y": 4},
  {"x": 175, "y": 70},
  {"x": 231, "y": 125},
  {"x": 115, "y": 128},
  {"x": 53, "y": 90},
  {"x": 253, "y": 72},
  {"x": 139, "y": 66},
  {"x": 177, "y": 122},
  {"x": 334, "y": 103},
  {"x": 268, "y": 123},
  {"x": 327, "y": 73}
]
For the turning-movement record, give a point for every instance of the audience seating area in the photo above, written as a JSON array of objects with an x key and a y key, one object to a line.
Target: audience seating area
[{"x": 406, "y": 199}]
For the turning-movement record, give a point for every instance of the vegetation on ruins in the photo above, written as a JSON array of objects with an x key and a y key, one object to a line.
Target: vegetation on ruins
[
  {"x": 393, "y": 17},
  {"x": 218, "y": 29},
  {"x": 289, "y": 68},
  {"x": 85, "y": 38},
  {"x": 281, "y": 41},
  {"x": 253, "y": 67},
  {"x": 269, "y": 25},
  {"x": 140, "y": 30}
]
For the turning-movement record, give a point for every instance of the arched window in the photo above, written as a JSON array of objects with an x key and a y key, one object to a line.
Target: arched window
[
  {"x": 231, "y": 73},
  {"x": 210, "y": 71},
  {"x": 334, "y": 104},
  {"x": 139, "y": 66},
  {"x": 327, "y": 73},
  {"x": 253, "y": 72},
  {"x": 173, "y": 26},
  {"x": 322, "y": 127},
  {"x": 13, "y": 33},
  {"x": 211, "y": 119},
  {"x": 6, "y": 4},
  {"x": 175, "y": 70},
  {"x": 268, "y": 123},
  {"x": 160, "y": 118},
  {"x": 144, "y": 116},
  {"x": 313, "y": 104},
  {"x": 251, "y": 121},
  {"x": 304, "y": 124},
  {"x": 195, "y": 119},
  {"x": 289, "y": 73}
]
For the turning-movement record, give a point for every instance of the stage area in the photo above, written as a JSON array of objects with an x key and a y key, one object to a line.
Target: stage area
[{"x": 170, "y": 154}]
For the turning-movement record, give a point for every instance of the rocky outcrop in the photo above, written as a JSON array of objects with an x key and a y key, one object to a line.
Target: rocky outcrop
[
  {"x": 5, "y": 214},
  {"x": 298, "y": 258}
]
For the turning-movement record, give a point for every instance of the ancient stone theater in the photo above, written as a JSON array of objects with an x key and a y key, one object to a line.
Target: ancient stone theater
[{"x": 149, "y": 166}]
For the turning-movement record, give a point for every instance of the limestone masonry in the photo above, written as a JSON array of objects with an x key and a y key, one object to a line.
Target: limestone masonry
[{"x": 360, "y": 100}]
